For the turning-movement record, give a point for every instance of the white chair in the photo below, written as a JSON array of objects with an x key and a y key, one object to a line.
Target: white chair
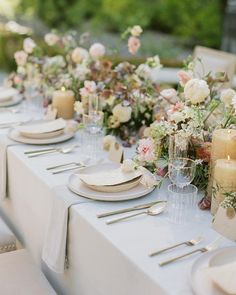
[
  {"x": 215, "y": 61},
  {"x": 20, "y": 276},
  {"x": 7, "y": 238}
]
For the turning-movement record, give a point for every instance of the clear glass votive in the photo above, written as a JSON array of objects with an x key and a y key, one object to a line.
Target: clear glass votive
[{"x": 182, "y": 203}]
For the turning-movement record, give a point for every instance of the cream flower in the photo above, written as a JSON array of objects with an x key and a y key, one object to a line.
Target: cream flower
[
  {"x": 107, "y": 141},
  {"x": 78, "y": 107},
  {"x": 29, "y": 45},
  {"x": 169, "y": 93},
  {"x": 144, "y": 71},
  {"x": 147, "y": 179},
  {"x": 123, "y": 114},
  {"x": 128, "y": 166},
  {"x": 136, "y": 31},
  {"x": 20, "y": 57},
  {"x": 79, "y": 54},
  {"x": 227, "y": 96},
  {"x": 196, "y": 91},
  {"x": 51, "y": 39},
  {"x": 97, "y": 50}
]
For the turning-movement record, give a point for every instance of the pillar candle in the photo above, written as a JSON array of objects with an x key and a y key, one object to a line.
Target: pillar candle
[
  {"x": 224, "y": 180},
  {"x": 63, "y": 100},
  {"x": 223, "y": 145}
]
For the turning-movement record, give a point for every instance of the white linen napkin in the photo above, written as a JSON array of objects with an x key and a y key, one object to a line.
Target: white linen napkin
[
  {"x": 5, "y": 142},
  {"x": 55, "y": 244},
  {"x": 224, "y": 277}
]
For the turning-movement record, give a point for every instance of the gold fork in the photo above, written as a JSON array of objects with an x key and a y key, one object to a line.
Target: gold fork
[
  {"x": 209, "y": 247},
  {"x": 191, "y": 242}
]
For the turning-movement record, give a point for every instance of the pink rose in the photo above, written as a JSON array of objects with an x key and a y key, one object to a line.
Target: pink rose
[
  {"x": 133, "y": 44},
  {"x": 97, "y": 50},
  {"x": 184, "y": 77},
  {"x": 177, "y": 107},
  {"x": 17, "y": 80},
  {"x": 20, "y": 57},
  {"x": 89, "y": 88},
  {"x": 146, "y": 150},
  {"x": 169, "y": 93}
]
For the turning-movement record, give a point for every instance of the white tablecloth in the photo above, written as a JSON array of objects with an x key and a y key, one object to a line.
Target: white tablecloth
[{"x": 104, "y": 260}]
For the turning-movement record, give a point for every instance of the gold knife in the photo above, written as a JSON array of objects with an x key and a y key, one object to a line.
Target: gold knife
[{"x": 137, "y": 207}]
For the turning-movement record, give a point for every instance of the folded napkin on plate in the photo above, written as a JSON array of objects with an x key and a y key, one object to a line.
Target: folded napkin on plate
[
  {"x": 224, "y": 277},
  {"x": 5, "y": 142},
  {"x": 7, "y": 93},
  {"x": 55, "y": 244}
]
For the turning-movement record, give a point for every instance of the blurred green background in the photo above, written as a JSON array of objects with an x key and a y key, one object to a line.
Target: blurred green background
[{"x": 172, "y": 27}]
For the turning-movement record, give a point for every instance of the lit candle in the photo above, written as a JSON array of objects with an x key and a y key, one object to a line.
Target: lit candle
[
  {"x": 223, "y": 144},
  {"x": 63, "y": 100},
  {"x": 224, "y": 180}
]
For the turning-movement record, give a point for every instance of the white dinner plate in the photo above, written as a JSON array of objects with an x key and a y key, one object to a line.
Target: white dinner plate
[
  {"x": 79, "y": 188},
  {"x": 16, "y": 136},
  {"x": 200, "y": 281},
  {"x": 43, "y": 129},
  {"x": 15, "y": 100},
  {"x": 7, "y": 93},
  {"x": 11, "y": 119}
]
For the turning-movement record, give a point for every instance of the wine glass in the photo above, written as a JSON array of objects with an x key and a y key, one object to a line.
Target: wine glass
[
  {"x": 182, "y": 196},
  {"x": 182, "y": 171}
]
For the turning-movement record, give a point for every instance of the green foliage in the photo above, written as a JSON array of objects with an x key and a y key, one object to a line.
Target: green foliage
[{"x": 198, "y": 21}]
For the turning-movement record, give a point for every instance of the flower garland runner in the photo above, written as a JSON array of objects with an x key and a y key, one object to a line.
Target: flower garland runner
[
  {"x": 126, "y": 91},
  {"x": 191, "y": 114}
]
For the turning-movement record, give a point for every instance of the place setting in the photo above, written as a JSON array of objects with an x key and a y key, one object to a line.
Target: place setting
[
  {"x": 41, "y": 132},
  {"x": 9, "y": 97}
]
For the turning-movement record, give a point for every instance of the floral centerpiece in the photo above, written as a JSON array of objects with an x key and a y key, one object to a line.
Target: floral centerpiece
[
  {"x": 128, "y": 95},
  {"x": 188, "y": 118}
]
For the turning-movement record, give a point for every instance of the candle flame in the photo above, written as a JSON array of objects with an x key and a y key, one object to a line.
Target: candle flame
[
  {"x": 228, "y": 157},
  {"x": 229, "y": 131},
  {"x": 63, "y": 89}
]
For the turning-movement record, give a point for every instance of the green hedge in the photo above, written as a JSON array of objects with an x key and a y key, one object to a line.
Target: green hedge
[{"x": 199, "y": 21}]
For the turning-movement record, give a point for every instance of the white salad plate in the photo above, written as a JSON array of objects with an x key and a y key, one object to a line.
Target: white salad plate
[{"x": 82, "y": 189}]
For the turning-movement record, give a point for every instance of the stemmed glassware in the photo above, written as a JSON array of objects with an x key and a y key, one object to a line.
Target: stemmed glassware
[
  {"x": 93, "y": 122},
  {"x": 182, "y": 194}
]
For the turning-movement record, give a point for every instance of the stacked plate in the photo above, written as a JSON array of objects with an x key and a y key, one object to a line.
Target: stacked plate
[
  {"x": 9, "y": 97},
  {"x": 107, "y": 182},
  {"x": 213, "y": 273},
  {"x": 41, "y": 132}
]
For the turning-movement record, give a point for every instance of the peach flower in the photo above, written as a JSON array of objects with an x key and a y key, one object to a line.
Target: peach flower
[
  {"x": 97, "y": 50},
  {"x": 184, "y": 77},
  {"x": 20, "y": 57},
  {"x": 146, "y": 150},
  {"x": 133, "y": 44}
]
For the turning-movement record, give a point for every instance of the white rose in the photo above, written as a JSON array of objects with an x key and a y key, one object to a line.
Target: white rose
[
  {"x": 81, "y": 71},
  {"x": 147, "y": 179},
  {"x": 144, "y": 71},
  {"x": 79, "y": 54},
  {"x": 128, "y": 166},
  {"x": 51, "y": 39},
  {"x": 136, "y": 31},
  {"x": 78, "y": 107},
  {"x": 107, "y": 141},
  {"x": 29, "y": 45},
  {"x": 227, "y": 95},
  {"x": 196, "y": 90},
  {"x": 97, "y": 50},
  {"x": 123, "y": 114}
]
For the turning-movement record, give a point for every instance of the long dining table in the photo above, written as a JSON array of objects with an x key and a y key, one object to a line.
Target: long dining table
[{"x": 103, "y": 259}]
